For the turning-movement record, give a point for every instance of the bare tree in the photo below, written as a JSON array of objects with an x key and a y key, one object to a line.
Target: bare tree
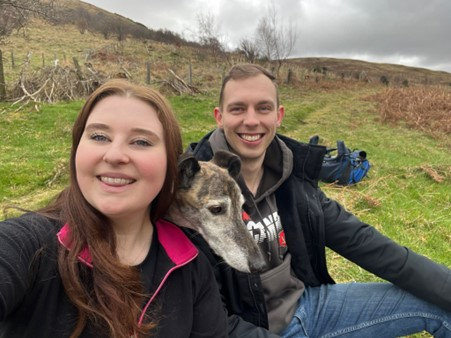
[
  {"x": 103, "y": 24},
  {"x": 84, "y": 18},
  {"x": 14, "y": 14},
  {"x": 249, "y": 48},
  {"x": 266, "y": 38},
  {"x": 276, "y": 39},
  {"x": 208, "y": 34},
  {"x": 120, "y": 29}
]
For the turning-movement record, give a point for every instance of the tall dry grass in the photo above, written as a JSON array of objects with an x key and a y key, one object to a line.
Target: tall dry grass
[{"x": 426, "y": 108}]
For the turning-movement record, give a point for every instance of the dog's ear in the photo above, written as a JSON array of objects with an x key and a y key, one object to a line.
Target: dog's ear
[
  {"x": 226, "y": 159},
  {"x": 188, "y": 166}
]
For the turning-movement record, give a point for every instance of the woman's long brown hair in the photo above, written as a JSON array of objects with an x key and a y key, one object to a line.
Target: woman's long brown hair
[{"x": 110, "y": 295}]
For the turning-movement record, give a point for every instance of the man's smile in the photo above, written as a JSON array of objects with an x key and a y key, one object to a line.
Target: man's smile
[{"x": 251, "y": 137}]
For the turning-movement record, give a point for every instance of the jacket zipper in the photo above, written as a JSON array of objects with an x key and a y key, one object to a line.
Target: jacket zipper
[{"x": 143, "y": 312}]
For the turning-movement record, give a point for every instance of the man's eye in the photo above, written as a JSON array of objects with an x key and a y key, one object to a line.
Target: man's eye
[
  {"x": 265, "y": 108},
  {"x": 236, "y": 109}
]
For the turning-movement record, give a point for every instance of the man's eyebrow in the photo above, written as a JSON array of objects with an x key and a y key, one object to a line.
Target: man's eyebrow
[
  {"x": 242, "y": 103},
  {"x": 270, "y": 102},
  {"x": 236, "y": 103}
]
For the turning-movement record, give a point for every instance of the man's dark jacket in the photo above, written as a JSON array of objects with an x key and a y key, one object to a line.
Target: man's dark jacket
[{"x": 311, "y": 221}]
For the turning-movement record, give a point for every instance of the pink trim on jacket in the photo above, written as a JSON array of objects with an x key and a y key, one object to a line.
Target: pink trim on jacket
[
  {"x": 179, "y": 249},
  {"x": 65, "y": 240}
]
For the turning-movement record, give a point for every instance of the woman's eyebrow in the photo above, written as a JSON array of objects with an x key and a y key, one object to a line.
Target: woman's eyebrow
[
  {"x": 102, "y": 126},
  {"x": 145, "y": 131}
]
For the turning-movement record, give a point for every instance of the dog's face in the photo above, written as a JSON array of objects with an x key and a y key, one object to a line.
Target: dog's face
[{"x": 209, "y": 201}]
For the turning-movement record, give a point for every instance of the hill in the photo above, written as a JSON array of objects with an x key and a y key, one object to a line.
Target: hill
[
  {"x": 370, "y": 71},
  {"x": 83, "y": 46},
  {"x": 107, "y": 44}
]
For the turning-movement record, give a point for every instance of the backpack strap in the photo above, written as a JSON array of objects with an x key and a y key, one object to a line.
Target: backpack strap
[
  {"x": 314, "y": 140},
  {"x": 342, "y": 150}
]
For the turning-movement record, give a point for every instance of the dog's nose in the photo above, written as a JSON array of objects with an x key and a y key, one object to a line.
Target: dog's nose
[{"x": 257, "y": 263}]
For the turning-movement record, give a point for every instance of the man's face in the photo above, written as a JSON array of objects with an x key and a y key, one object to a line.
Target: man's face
[{"x": 250, "y": 116}]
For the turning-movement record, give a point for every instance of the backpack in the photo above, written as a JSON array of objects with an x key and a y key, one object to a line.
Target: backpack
[{"x": 346, "y": 167}]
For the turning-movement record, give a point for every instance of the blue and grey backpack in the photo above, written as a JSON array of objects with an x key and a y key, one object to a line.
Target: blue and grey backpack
[{"x": 345, "y": 167}]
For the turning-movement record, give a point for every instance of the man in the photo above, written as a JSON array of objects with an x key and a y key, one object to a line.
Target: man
[{"x": 292, "y": 221}]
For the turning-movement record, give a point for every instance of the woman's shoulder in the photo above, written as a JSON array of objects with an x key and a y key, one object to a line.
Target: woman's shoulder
[
  {"x": 175, "y": 243},
  {"x": 28, "y": 266},
  {"x": 33, "y": 219},
  {"x": 29, "y": 226}
]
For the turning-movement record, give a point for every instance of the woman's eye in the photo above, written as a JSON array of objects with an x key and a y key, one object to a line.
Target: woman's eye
[
  {"x": 98, "y": 137},
  {"x": 142, "y": 143}
]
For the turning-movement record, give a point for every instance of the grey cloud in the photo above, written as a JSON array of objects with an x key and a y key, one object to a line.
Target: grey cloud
[{"x": 411, "y": 31}]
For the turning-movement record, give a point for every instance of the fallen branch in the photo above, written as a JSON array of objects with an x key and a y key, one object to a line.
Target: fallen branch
[{"x": 179, "y": 86}]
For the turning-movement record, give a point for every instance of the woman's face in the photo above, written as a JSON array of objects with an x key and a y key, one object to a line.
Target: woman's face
[{"x": 121, "y": 158}]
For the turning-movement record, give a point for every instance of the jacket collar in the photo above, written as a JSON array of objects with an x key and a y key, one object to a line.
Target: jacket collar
[{"x": 177, "y": 246}]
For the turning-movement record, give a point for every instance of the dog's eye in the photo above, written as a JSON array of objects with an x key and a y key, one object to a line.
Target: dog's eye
[{"x": 216, "y": 210}]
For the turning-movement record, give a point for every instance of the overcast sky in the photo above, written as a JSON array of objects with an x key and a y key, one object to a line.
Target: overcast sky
[{"x": 409, "y": 32}]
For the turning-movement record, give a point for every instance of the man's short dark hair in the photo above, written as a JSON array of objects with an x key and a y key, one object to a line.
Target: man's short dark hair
[{"x": 245, "y": 71}]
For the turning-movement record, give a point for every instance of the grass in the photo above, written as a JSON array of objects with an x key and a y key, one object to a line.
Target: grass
[
  {"x": 402, "y": 196},
  {"x": 195, "y": 115},
  {"x": 34, "y": 152}
]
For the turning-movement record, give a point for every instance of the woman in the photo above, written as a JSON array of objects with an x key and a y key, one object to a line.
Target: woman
[{"x": 99, "y": 261}]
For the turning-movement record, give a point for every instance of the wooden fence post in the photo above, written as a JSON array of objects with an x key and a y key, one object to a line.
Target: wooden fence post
[
  {"x": 78, "y": 69},
  {"x": 12, "y": 59},
  {"x": 289, "y": 76},
  {"x": 148, "y": 72},
  {"x": 2, "y": 79},
  {"x": 190, "y": 74}
]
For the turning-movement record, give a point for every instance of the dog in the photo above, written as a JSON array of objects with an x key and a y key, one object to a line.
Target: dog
[{"x": 209, "y": 200}]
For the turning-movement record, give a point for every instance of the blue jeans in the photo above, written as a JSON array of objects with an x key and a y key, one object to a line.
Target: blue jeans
[{"x": 364, "y": 310}]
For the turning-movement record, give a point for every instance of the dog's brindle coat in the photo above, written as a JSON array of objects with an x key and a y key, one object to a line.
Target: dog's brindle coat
[{"x": 209, "y": 201}]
